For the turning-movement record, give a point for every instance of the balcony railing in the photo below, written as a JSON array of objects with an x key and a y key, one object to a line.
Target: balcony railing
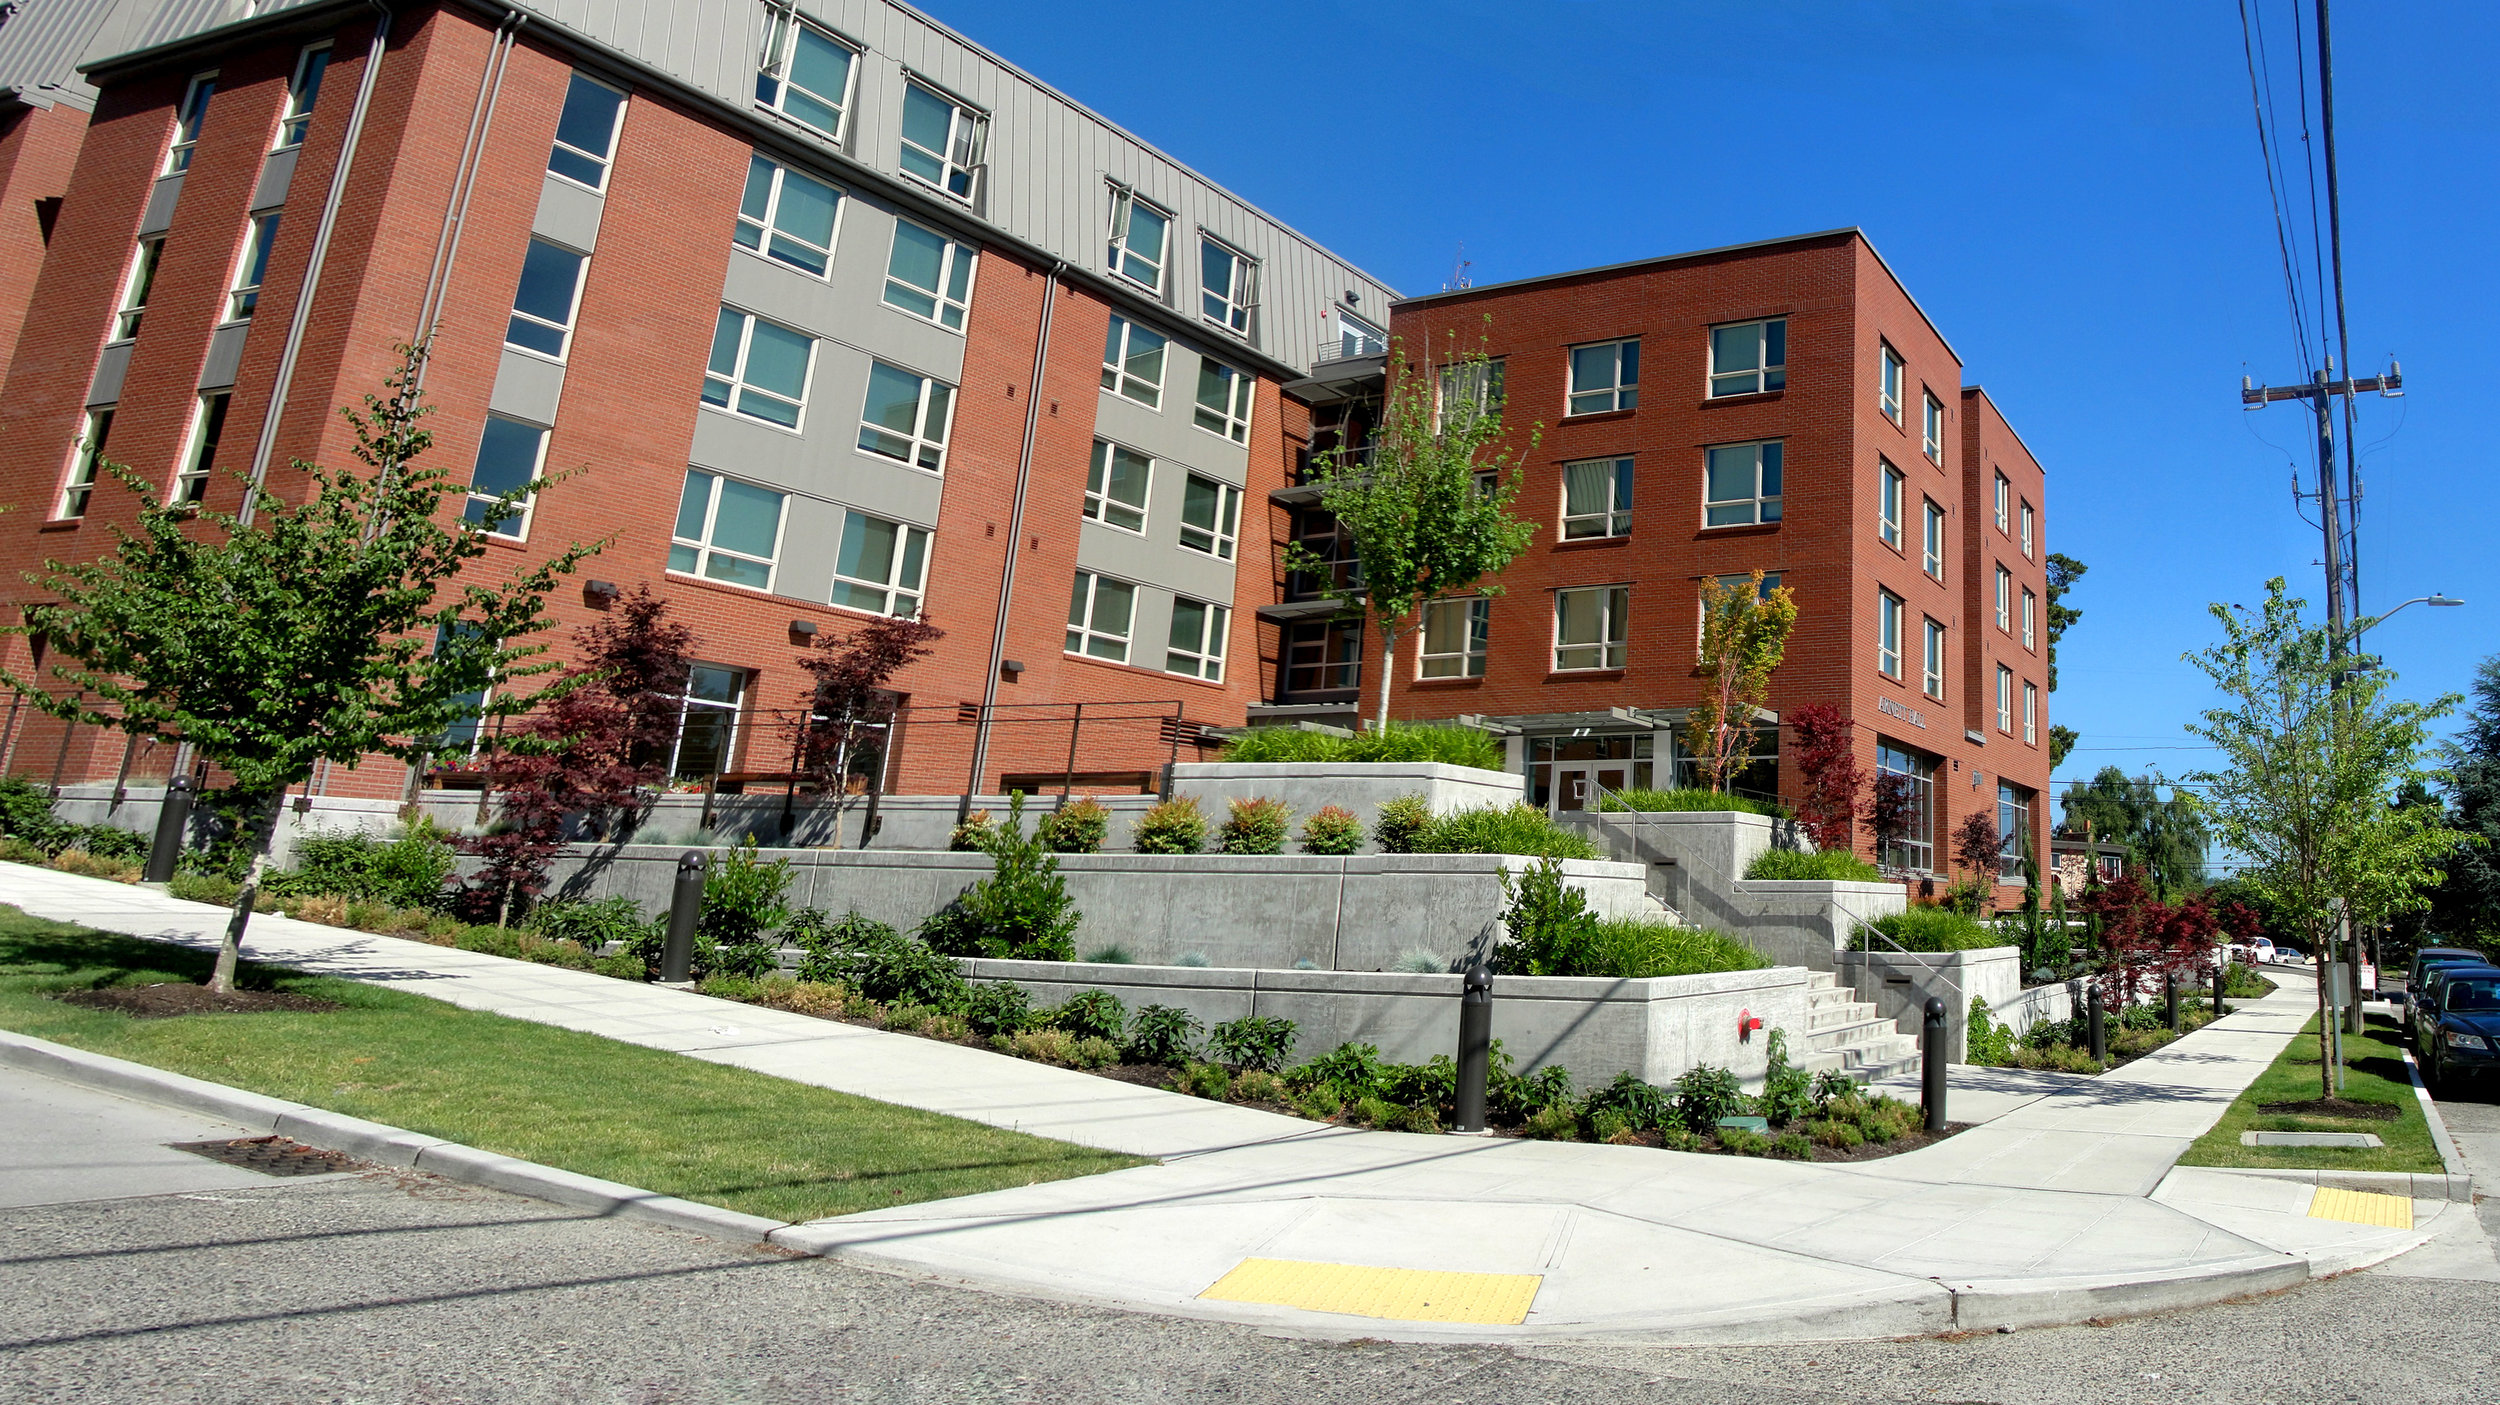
[{"x": 1347, "y": 349}]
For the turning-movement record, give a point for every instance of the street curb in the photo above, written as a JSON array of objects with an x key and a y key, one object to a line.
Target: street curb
[
  {"x": 378, "y": 1143},
  {"x": 2012, "y": 1303},
  {"x": 2449, "y": 1156},
  {"x": 2413, "y": 1185}
]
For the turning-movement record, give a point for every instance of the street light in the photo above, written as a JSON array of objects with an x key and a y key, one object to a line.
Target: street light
[{"x": 2367, "y": 663}]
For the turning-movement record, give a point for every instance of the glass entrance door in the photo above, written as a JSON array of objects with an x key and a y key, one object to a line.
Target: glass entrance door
[{"x": 1571, "y": 784}]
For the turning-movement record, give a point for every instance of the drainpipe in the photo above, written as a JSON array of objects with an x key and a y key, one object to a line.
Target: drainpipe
[
  {"x": 1015, "y": 532},
  {"x": 464, "y": 183}
]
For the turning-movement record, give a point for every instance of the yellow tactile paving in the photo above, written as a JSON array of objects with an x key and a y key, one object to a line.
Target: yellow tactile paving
[
  {"x": 1397, "y": 1294},
  {"x": 2362, "y": 1207}
]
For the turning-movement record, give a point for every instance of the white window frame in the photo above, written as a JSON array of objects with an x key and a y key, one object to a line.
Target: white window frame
[
  {"x": 1888, "y": 505},
  {"x": 1889, "y": 617},
  {"x": 1203, "y": 656},
  {"x": 1765, "y": 376},
  {"x": 1931, "y": 428},
  {"x": 766, "y": 228},
  {"x": 907, "y": 574},
  {"x": 2027, "y": 531},
  {"x": 295, "y": 119},
  {"x": 1764, "y": 507},
  {"x": 959, "y": 166},
  {"x": 2031, "y": 714},
  {"x": 1124, "y": 203},
  {"x": 1220, "y": 539},
  {"x": 138, "y": 285},
  {"x": 958, "y": 263},
  {"x": 1621, "y": 393},
  {"x": 605, "y": 161},
  {"x": 191, "y": 478},
  {"x": 1367, "y": 339},
  {"x": 1475, "y": 629},
  {"x": 2005, "y": 600},
  {"x": 572, "y": 307},
  {"x": 1614, "y": 518},
  {"x": 1931, "y": 658},
  {"x": 1101, "y": 506},
  {"x": 933, "y": 422},
  {"x": 1614, "y": 637},
  {"x": 260, "y": 234},
  {"x": 1116, "y": 356},
  {"x": 703, "y": 548},
  {"x": 1931, "y": 538},
  {"x": 773, "y": 63},
  {"x": 2031, "y": 606},
  {"x": 189, "y": 118},
  {"x": 2005, "y": 700},
  {"x": 689, "y": 706},
  {"x": 526, "y": 507},
  {"x": 78, "y": 478},
  {"x": 1233, "y": 306},
  {"x": 1085, "y": 598},
  {"x": 739, "y": 386},
  {"x": 1888, "y": 391},
  {"x": 2003, "y": 490},
  {"x": 1238, "y": 390}
]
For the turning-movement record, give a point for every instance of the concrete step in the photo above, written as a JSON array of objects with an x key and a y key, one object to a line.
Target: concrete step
[
  {"x": 1821, "y": 981},
  {"x": 1840, "y": 1015},
  {"x": 1829, "y": 995},
  {"x": 1846, "y": 1036}
]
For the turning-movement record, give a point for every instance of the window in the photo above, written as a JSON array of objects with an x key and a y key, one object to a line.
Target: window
[
  {"x": 1469, "y": 390},
  {"x": 881, "y": 566},
  {"x": 1743, "y": 485},
  {"x": 1223, "y": 401},
  {"x": 542, "y": 311},
  {"x": 1915, "y": 850},
  {"x": 1888, "y": 522},
  {"x": 758, "y": 369},
  {"x": 803, "y": 73},
  {"x": 1197, "y": 640},
  {"x": 727, "y": 531},
  {"x": 1228, "y": 285},
  {"x": 1323, "y": 657},
  {"x": 1888, "y": 633},
  {"x": 2001, "y": 490},
  {"x": 84, "y": 455},
  {"x": 1591, "y": 627},
  {"x": 2030, "y": 607},
  {"x": 942, "y": 140},
  {"x": 1098, "y": 617},
  {"x": 1356, "y": 337},
  {"x": 1139, "y": 232},
  {"x": 1210, "y": 516},
  {"x": 1454, "y": 637},
  {"x": 2005, "y": 599},
  {"x": 586, "y": 132},
  {"x": 302, "y": 91},
  {"x": 1931, "y": 667},
  {"x": 2026, "y": 531},
  {"x": 199, "y": 447},
  {"x": 1115, "y": 493},
  {"x": 1747, "y": 358},
  {"x": 252, "y": 267},
  {"x": 929, "y": 275},
  {"x": 136, "y": 287},
  {"x": 1931, "y": 434},
  {"x": 906, "y": 417},
  {"x": 187, "y": 120},
  {"x": 1132, "y": 363},
  {"x": 2005, "y": 700},
  {"x": 707, "y": 728},
  {"x": 508, "y": 457},
  {"x": 787, "y": 216},
  {"x": 1597, "y": 498},
  {"x": 1605, "y": 377},
  {"x": 1931, "y": 547},
  {"x": 2031, "y": 714},
  {"x": 1888, "y": 395},
  {"x": 2014, "y": 823}
]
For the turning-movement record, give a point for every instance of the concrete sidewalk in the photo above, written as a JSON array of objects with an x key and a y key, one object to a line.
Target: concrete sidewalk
[{"x": 2043, "y": 1215}]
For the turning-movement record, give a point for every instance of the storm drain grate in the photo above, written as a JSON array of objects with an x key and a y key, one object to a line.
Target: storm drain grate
[{"x": 271, "y": 1156}]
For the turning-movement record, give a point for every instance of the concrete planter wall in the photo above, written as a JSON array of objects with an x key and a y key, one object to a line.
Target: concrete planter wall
[
  {"x": 1695, "y": 862},
  {"x": 1357, "y": 786},
  {"x": 1899, "y": 985},
  {"x": 2021, "y": 1011}
]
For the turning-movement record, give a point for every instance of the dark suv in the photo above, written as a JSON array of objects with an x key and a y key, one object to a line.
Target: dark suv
[
  {"x": 2427, "y": 963},
  {"x": 2456, "y": 1023}
]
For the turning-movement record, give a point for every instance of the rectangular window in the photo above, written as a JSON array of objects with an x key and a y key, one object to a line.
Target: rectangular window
[
  {"x": 881, "y": 566},
  {"x": 252, "y": 267},
  {"x": 509, "y": 455},
  {"x": 788, "y": 216},
  {"x": 804, "y": 73},
  {"x": 1454, "y": 637},
  {"x": 302, "y": 91},
  {"x": 1115, "y": 493},
  {"x": 929, "y": 275},
  {"x": 1888, "y": 633},
  {"x": 550, "y": 292},
  {"x": 188, "y": 119},
  {"x": 84, "y": 455},
  {"x": 1591, "y": 627},
  {"x": 1931, "y": 435},
  {"x": 137, "y": 286},
  {"x": 2005, "y": 700},
  {"x": 1743, "y": 485},
  {"x": 1223, "y": 400},
  {"x": 1228, "y": 285},
  {"x": 1196, "y": 646},
  {"x": 1139, "y": 233},
  {"x": 1888, "y": 520},
  {"x": 906, "y": 417},
  {"x": 2030, "y": 607},
  {"x": 1210, "y": 516},
  {"x": 2014, "y": 823},
  {"x": 942, "y": 140},
  {"x": 1747, "y": 358},
  {"x": 586, "y": 132},
  {"x": 2001, "y": 489},
  {"x": 1469, "y": 391},
  {"x": 199, "y": 447},
  {"x": 1931, "y": 670},
  {"x": 2031, "y": 714},
  {"x": 1604, "y": 377},
  {"x": 1356, "y": 337},
  {"x": 707, "y": 730},
  {"x": 2026, "y": 531},
  {"x": 1597, "y": 498},
  {"x": 1323, "y": 657},
  {"x": 758, "y": 369},
  {"x": 1099, "y": 611},
  {"x": 1132, "y": 363},
  {"x": 1888, "y": 395},
  {"x": 1915, "y": 850},
  {"x": 727, "y": 531},
  {"x": 1931, "y": 548}
]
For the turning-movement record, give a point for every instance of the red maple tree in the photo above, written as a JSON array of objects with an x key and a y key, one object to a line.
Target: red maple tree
[{"x": 1827, "y": 763}]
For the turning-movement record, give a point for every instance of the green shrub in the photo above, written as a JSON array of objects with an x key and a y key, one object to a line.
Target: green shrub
[
  {"x": 26, "y": 812},
  {"x": 1319, "y": 1104},
  {"x": 1419, "y": 961},
  {"x": 1349, "y": 1072},
  {"x": 1332, "y": 829},
  {"x": 87, "y": 865},
  {"x": 1021, "y": 912},
  {"x": 1253, "y": 1041},
  {"x": 744, "y": 908},
  {"x": 1418, "y": 1117},
  {"x": 102, "y": 841},
  {"x": 1162, "y": 1034},
  {"x": 1090, "y": 1014},
  {"x": 998, "y": 1007},
  {"x": 1518, "y": 1097},
  {"x": 1400, "y": 741},
  {"x": 1787, "y": 1090},
  {"x": 1173, "y": 827},
  {"x": 1608, "y": 1125},
  {"x": 1639, "y": 1105},
  {"x": 1678, "y": 1137},
  {"x": 1635, "y": 948},
  {"x": 1792, "y": 1146},
  {"x": 1744, "y": 1141},
  {"x": 971, "y": 834},
  {"x": 1078, "y": 827},
  {"x": 1557, "y": 1123},
  {"x": 1841, "y": 1135},
  {"x": 1201, "y": 1080},
  {"x": 591, "y": 922},
  {"x": 880, "y": 963},
  {"x": 1990, "y": 1041},
  {"x": 1931, "y": 929},
  {"x": 1520, "y": 829},
  {"x": 1549, "y": 930},
  {"x": 409, "y": 871},
  {"x": 1705, "y": 1094},
  {"x": 1257, "y": 1087},
  {"x": 1837, "y": 865},
  {"x": 1401, "y": 823},
  {"x": 1644, "y": 799},
  {"x": 1432, "y": 1083},
  {"x": 1255, "y": 825},
  {"x": 1113, "y": 954},
  {"x": 203, "y": 888},
  {"x": 1832, "y": 1083}
]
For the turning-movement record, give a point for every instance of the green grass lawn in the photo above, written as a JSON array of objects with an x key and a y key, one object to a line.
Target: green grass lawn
[
  {"x": 661, "y": 1121},
  {"x": 2374, "y": 1072}
]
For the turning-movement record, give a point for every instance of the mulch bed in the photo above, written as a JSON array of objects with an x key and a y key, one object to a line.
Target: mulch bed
[
  {"x": 171, "y": 998},
  {"x": 2333, "y": 1107}
]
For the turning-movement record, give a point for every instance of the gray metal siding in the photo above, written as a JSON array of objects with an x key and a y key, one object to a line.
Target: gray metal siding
[{"x": 40, "y": 46}]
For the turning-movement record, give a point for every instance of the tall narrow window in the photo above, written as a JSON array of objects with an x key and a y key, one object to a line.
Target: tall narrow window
[
  {"x": 199, "y": 447},
  {"x": 929, "y": 275},
  {"x": 509, "y": 455},
  {"x": 1743, "y": 485},
  {"x": 942, "y": 140},
  {"x": 1099, "y": 611},
  {"x": 1115, "y": 492},
  {"x": 2005, "y": 700},
  {"x": 727, "y": 531},
  {"x": 84, "y": 455},
  {"x": 1223, "y": 400},
  {"x": 759, "y": 368},
  {"x": 1931, "y": 543},
  {"x": 906, "y": 417},
  {"x": 707, "y": 730},
  {"x": 1454, "y": 640},
  {"x": 2031, "y": 604},
  {"x": 1139, "y": 234},
  {"x": 881, "y": 566},
  {"x": 543, "y": 308},
  {"x": 2005, "y": 599},
  {"x": 136, "y": 287},
  {"x": 1888, "y": 391},
  {"x": 2031, "y": 714},
  {"x": 1604, "y": 377},
  {"x": 252, "y": 267},
  {"x": 1132, "y": 363},
  {"x": 586, "y": 132},
  {"x": 1356, "y": 337},
  {"x": 804, "y": 73},
  {"x": 1888, "y": 508},
  {"x": 1228, "y": 285},
  {"x": 1591, "y": 627},
  {"x": 1597, "y": 498},
  {"x": 302, "y": 91},
  {"x": 1931, "y": 671},
  {"x": 2014, "y": 823},
  {"x": 788, "y": 216},
  {"x": 1915, "y": 849},
  {"x": 1747, "y": 358},
  {"x": 2026, "y": 531},
  {"x": 1195, "y": 648},
  {"x": 188, "y": 119},
  {"x": 1888, "y": 633},
  {"x": 1210, "y": 516},
  {"x": 1931, "y": 432},
  {"x": 2002, "y": 487}
]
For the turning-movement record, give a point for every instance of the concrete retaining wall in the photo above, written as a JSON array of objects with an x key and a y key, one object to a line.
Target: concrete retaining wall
[
  {"x": 1899, "y": 985},
  {"x": 2042, "y": 1002},
  {"x": 1357, "y": 786},
  {"x": 1695, "y": 861}
]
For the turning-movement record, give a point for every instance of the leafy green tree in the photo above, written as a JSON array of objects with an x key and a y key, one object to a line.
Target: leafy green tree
[
  {"x": 2063, "y": 571},
  {"x": 1744, "y": 635},
  {"x": 2467, "y": 902},
  {"x": 1427, "y": 512},
  {"x": 2061, "y": 741},
  {"x": 2165, "y": 838},
  {"x": 332, "y": 629}
]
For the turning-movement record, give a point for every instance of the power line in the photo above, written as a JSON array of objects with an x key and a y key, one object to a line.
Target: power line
[{"x": 2261, "y": 97}]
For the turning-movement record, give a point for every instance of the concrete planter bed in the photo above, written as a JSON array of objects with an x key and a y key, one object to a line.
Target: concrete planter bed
[
  {"x": 1359, "y": 786},
  {"x": 1694, "y": 862}
]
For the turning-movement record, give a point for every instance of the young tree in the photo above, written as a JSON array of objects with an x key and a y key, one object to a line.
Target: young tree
[
  {"x": 1889, "y": 806},
  {"x": 849, "y": 713},
  {"x": 2165, "y": 839},
  {"x": 2062, "y": 571},
  {"x": 1826, "y": 756},
  {"x": 2467, "y": 901},
  {"x": 1977, "y": 845},
  {"x": 1428, "y": 512},
  {"x": 1744, "y": 634},
  {"x": 2312, "y": 755},
  {"x": 332, "y": 629},
  {"x": 2062, "y": 740}
]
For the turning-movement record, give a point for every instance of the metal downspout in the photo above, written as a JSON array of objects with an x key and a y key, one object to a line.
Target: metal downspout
[
  {"x": 456, "y": 214},
  {"x": 1015, "y": 530}
]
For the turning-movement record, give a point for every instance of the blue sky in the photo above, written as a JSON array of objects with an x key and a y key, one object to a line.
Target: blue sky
[{"x": 2073, "y": 191}]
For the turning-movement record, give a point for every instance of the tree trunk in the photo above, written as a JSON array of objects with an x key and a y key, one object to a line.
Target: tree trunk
[
  {"x": 221, "y": 979},
  {"x": 1388, "y": 673},
  {"x": 2326, "y": 1019}
]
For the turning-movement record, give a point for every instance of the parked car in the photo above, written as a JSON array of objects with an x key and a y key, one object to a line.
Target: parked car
[
  {"x": 2426, "y": 964},
  {"x": 2457, "y": 1024},
  {"x": 2423, "y": 1014}
]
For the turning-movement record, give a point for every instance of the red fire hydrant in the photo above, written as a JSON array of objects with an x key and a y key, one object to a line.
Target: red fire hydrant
[{"x": 1746, "y": 1023}]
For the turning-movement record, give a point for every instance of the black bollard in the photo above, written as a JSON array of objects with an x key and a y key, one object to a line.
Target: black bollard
[
  {"x": 685, "y": 908},
  {"x": 1931, "y": 1055},
  {"x": 1475, "y": 1047},
  {"x": 2099, "y": 1028},
  {"x": 173, "y": 818},
  {"x": 2170, "y": 998},
  {"x": 2222, "y": 982}
]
